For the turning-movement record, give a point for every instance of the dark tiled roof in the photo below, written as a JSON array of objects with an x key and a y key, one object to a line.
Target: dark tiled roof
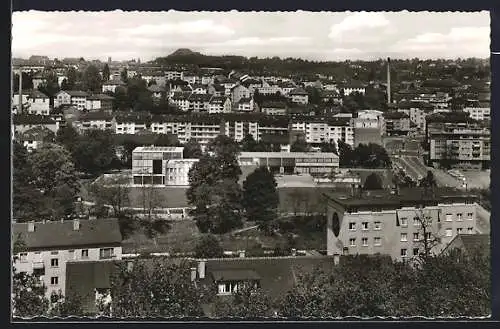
[
  {"x": 102, "y": 97},
  {"x": 298, "y": 91},
  {"x": 38, "y": 133},
  {"x": 244, "y": 100},
  {"x": 474, "y": 241},
  {"x": 235, "y": 275},
  {"x": 113, "y": 83},
  {"x": 96, "y": 115},
  {"x": 280, "y": 105},
  {"x": 37, "y": 94},
  {"x": 54, "y": 234},
  {"x": 76, "y": 93},
  {"x": 199, "y": 97},
  {"x": 395, "y": 115},
  {"x": 218, "y": 99},
  {"x": 32, "y": 119}
]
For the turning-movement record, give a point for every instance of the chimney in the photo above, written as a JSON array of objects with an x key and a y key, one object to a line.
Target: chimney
[
  {"x": 31, "y": 226},
  {"x": 20, "y": 109},
  {"x": 241, "y": 253},
  {"x": 76, "y": 224},
  {"x": 193, "y": 273},
  {"x": 336, "y": 259},
  {"x": 388, "y": 80},
  {"x": 201, "y": 268}
]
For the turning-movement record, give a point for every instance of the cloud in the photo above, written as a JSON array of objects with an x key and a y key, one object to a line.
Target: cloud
[
  {"x": 358, "y": 23},
  {"x": 273, "y": 41},
  {"x": 194, "y": 27},
  {"x": 466, "y": 41}
]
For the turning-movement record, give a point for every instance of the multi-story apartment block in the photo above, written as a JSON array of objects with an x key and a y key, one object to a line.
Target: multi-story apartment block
[
  {"x": 95, "y": 120},
  {"x": 353, "y": 87},
  {"x": 181, "y": 100},
  {"x": 478, "y": 113},
  {"x": 112, "y": 85},
  {"x": 299, "y": 96},
  {"x": 319, "y": 130},
  {"x": 199, "y": 102},
  {"x": 100, "y": 102},
  {"x": 274, "y": 108},
  {"x": 245, "y": 105},
  {"x": 160, "y": 166},
  {"x": 191, "y": 78},
  {"x": 269, "y": 88},
  {"x": 174, "y": 75},
  {"x": 392, "y": 223},
  {"x": 73, "y": 97},
  {"x": 132, "y": 124},
  {"x": 459, "y": 144},
  {"x": 396, "y": 123},
  {"x": 50, "y": 245}
]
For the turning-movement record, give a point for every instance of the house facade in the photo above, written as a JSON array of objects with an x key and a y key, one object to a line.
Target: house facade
[{"x": 49, "y": 246}]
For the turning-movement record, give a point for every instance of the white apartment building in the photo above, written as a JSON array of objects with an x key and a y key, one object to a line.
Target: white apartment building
[
  {"x": 129, "y": 125},
  {"x": 177, "y": 170},
  {"x": 39, "y": 103},
  {"x": 321, "y": 131},
  {"x": 219, "y": 104},
  {"x": 50, "y": 245},
  {"x": 478, "y": 113},
  {"x": 73, "y": 97},
  {"x": 245, "y": 105},
  {"x": 111, "y": 85},
  {"x": 173, "y": 75},
  {"x": 181, "y": 100},
  {"x": 238, "y": 92}
]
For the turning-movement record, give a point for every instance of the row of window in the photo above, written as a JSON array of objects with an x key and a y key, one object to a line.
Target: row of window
[{"x": 104, "y": 253}]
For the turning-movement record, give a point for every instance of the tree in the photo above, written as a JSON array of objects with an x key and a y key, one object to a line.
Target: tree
[
  {"x": 128, "y": 147},
  {"x": 260, "y": 198},
  {"x": 111, "y": 191},
  {"x": 105, "y": 72},
  {"x": 50, "y": 86},
  {"x": 428, "y": 235},
  {"x": 124, "y": 75},
  {"x": 71, "y": 79},
  {"x": 248, "y": 143},
  {"x": 192, "y": 149},
  {"x": 429, "y": 181},
  {"x": 92, "y": 79},
  {"x": 329, "y": 148},
  {"x": 95, "y": 152},
  {"x": 299, "y": 145},
  {"x": 249, "y": 302},
  {"x": 214, "y": 190},
  {"x": 208, "y": 246},
  {"x": 28, "y": 291},
  {"x": 165, "y": 140},
  {"x": 65, "y": 306},
  {"x": 68, "y": 137},
  {"x": 373, "y": 182},
  {"x": 56, "y": 178},
  {"x": 157, "y": 289}
]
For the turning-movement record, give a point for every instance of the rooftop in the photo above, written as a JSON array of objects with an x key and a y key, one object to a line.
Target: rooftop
[
  {"x": 158, "y": 149},
  {"x": 54, "y": 234},
  {"x": 287, "y": 155}
]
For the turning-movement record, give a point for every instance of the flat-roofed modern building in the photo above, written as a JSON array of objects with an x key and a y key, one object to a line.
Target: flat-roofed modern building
[
  {"x": 291, "y": 162},
  {"x": 388, "y": 223},
  {"x": 152, "y": 165}
]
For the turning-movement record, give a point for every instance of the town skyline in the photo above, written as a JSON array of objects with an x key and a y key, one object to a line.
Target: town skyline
[{"x": 332, "y": 37}]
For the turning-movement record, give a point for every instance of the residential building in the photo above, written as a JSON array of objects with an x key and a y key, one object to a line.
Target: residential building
[
  {"x": 132, "y": 123},
  {"x": 353, "y": 87},
  {"x": 181, "y": 100},
  {"x": 24, "y": 122},
  {"x": 286, "y": 87},
  {"x": 199, "y": 88},
  {"x": 100, "y": 102},
  {"x": 38, "y": 103},
  {"x": 73, "y": 97},
  {"x": 95, "y": 120},
  {"x": 50, "y": 245},
  {"x": 320, "y": 130},
  {"x": 390, "y": 223},
  {"x": 199, "y": 102},
  {"x": 478, "y": 113},
  {"x": 245, "y": 105},
  {"x": 219, "y": 104},
  {"x": 299, "y": 96},
  {"x": 396, "y": 123},
  {"x": 291, "y": 162},
  {"x": 469, "y": 244},
  {"x": 368, "y": 127},
  {"x": 112, "y": 85},
  {"x": 157, "y": 92},
  {"x": 216, "y": 90},
  {"x": 461, "y": 144},
  {"x": 274, "y": 108},
  {"x": 173, "y": 75},
  {"x": 34, "y": 138},
  {"x": 191, "y": 78},
  {"x": 238, "y": 92}
]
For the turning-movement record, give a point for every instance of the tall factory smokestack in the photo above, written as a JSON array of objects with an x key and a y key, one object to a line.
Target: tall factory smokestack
[
  {"x": 388, "y": 80},
  {"x": 20, "y": 108}
]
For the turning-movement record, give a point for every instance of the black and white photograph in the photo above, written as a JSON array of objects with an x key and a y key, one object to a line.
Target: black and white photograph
[{"x": 250, "y": 165}]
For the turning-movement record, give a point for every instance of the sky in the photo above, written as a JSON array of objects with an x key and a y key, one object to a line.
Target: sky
[{"x": 309, "y": 35}]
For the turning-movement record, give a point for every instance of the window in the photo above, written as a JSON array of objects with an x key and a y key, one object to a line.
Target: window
[
  {"x": 364, "y": 241},
  {"x": 377, "y": 241},
  {"x": 448, "y": 218},
  {"x": 470, "y": 216},
  {"x": 415, "y": 236},
  {"x": 449, "y": 232},
  {"x": 105, "y": 253},
  {"x": 403, "y": 221},
  {"x": 459, "y": 217},
  {"x": 71, "y": 254},
  {"x": 404, "y": 237},
  {"x": 85, "y": 253},
  {"x": 23, "y": 257},
  {"x": 364, "y": 225},
  {"x": 54, "y": 252},
  {"x": 54, "y": 262},
  {"x": 404, "y": 252},
  {"x": 352, "y": 242},
  {"x": 416, "y": 221},
  {"x": 428, "y": 236},
  {"x": 415, "y": 251},
  {"x": 470, "y": 230},
  {"x": 459, "y": 230},
  {"x": 377, "y": 226},
  {"x": 54, "y": 280},
  {"x": 352, "y": 226}
]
